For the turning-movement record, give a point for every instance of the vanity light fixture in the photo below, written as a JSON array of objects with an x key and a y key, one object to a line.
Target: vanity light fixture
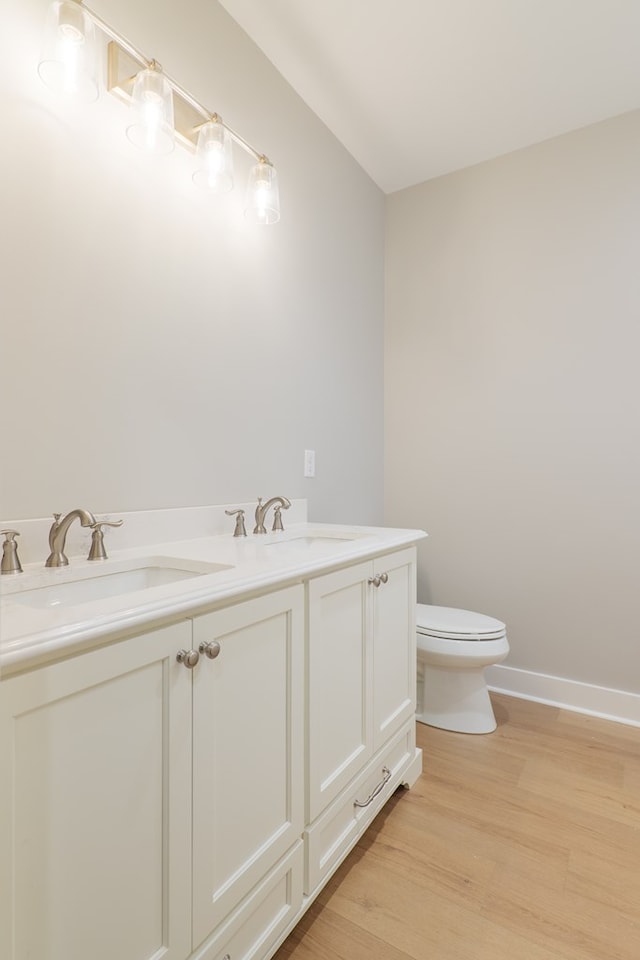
[
  {"x": 69, "y": 56},
  {"x": 214, "y": 160},
  {"x": 161, "y": 110},
  {"x": 263, "y": 198},
  {"x": 152, "y": 126}
]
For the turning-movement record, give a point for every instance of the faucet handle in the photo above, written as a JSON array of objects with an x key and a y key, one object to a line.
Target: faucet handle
[
  {"x": 10, "y": 560},
  {"x": 240, "y": 529},
  {"x": 97, "y": 551},
  {"x": 277, "y": 519}
]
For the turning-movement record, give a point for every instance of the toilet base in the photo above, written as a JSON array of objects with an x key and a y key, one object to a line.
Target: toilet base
[{"x": 456, "y": 700}]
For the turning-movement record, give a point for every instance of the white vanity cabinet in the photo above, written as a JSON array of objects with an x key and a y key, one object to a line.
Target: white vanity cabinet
[
  {"x": 340, "y": 679},
  {"x": 393, "y": 630},
  {"x": 129, "y": 779},
  {"x": 248, "y": 746},
  {"x": 95, "y": 805},
  {"x": 183, "y": 794},
  {"x": 360, "y": 700},
  {"x": 361, "y": 668}
]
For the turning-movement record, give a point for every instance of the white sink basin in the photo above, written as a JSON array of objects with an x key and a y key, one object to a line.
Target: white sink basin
[{"x": 154, "y": 572}]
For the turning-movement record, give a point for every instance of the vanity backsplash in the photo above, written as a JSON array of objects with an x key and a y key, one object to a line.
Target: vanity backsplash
[{"x": 140, "y": 527}]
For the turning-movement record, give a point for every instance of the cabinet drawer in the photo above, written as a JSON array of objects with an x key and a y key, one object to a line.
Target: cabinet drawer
[
  {"x": 329, "y": 839},
  {"x": 261, "y": 919}
]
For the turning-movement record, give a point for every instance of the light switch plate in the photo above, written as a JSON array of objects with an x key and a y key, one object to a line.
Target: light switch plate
[{"x": 309, "y": 463}]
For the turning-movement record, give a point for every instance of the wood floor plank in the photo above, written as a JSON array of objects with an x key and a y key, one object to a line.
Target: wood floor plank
[
  {"x": 325, "y": 935},
  {"x": 571, "y": 922},
  {"x": 608, "y": 880},
  {"x": 524, "y": 843}
]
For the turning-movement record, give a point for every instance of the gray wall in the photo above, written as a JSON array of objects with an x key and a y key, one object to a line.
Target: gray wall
[
  {"x": 512, "y": 426},
  {"x": 156, "y": 349}
]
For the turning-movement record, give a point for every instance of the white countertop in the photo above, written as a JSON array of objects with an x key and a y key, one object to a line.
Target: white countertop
[{"x": 31, "y": 635}]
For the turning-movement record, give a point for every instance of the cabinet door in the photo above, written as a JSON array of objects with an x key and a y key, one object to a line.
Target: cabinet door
[
  {"x": 394, "y": 644},
  {"x": 95, "y": 767},
  {"x": 248, "y": 743},
  {"x": 339, "y": 682}
]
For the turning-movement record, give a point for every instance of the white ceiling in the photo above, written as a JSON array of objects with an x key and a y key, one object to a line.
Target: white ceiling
[{"x": 418, "y": 88}]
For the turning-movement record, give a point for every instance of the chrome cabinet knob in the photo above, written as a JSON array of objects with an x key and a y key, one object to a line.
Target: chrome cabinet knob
[
  {"x": 188, "y": 658},
  {"x": 378, "y": 579},
  {"x": 211, "y": 649}
]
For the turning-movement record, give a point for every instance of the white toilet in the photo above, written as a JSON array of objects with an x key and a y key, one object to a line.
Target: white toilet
[{"x": 454, "y": 647}]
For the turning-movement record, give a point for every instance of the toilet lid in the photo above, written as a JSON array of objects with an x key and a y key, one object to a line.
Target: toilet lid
[{"x": 455, "y": 624}]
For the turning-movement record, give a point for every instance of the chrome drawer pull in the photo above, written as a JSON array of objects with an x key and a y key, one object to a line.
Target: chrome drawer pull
[{"x": 386, "y": 776}]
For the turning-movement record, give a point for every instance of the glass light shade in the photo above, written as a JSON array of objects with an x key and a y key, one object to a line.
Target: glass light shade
[
  {"x": 214, "y": 160},
  {"x": 151, "y": 109},
  {"x": 263, "y": 198},
  {"x": 69, "y": 58}
]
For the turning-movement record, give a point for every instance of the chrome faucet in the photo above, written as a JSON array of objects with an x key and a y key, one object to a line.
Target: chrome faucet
[
  {"x": 261, "y": 513},
  {"x": 58, "y": 535}
]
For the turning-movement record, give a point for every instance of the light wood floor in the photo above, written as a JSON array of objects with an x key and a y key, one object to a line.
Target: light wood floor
[{"x": 520, "y": 845}]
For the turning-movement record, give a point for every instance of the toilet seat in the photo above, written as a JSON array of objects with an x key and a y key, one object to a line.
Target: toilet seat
[{"x": 448, "y": 623}]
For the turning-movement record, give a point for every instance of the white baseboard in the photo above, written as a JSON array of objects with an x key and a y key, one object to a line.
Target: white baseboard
[{"x": 618, "y": 705}]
